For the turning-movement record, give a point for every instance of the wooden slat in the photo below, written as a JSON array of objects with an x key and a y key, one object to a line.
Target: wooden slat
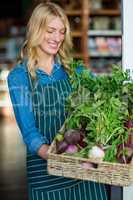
[{"x": 108, "y": 12}]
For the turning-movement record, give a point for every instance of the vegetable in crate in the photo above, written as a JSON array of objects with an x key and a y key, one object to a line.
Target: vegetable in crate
[
  {"x": 70, "y": 141},
  {"x": 99, "y": 105},
  {"x": 96, "y": 153},
  {"x": 72, "y": 148},
  {"x": 61, "y": 146},
  {"x": 125, "y": 150},
  {"x": 72, "y": 136}
]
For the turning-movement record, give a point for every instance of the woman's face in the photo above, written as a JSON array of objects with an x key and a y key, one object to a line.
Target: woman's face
[{"x": 53, "y": 36}]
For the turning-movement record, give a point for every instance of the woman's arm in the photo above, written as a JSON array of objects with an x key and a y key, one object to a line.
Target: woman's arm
[{"x": 22, "y": 105}]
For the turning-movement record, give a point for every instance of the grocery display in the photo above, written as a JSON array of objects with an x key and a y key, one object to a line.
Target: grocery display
[{"x": 99, "y": 123}]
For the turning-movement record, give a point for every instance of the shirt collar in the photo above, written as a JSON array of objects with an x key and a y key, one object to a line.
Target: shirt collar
[{"x": 56, "y": 66}]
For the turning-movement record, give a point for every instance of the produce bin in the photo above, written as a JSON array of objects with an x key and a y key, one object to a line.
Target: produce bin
[
  {"x": 101, "y": 172},
  {"x": 99, "y": 125}
]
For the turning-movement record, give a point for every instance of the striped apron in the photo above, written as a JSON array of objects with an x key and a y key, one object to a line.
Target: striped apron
[{"x": 48, "y": 102}]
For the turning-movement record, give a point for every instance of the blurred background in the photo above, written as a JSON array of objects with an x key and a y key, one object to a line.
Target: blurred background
[{"x": 96, "y": 32}]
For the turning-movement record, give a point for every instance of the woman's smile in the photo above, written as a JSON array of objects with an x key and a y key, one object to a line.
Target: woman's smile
[{"x": 53, "y": 45}]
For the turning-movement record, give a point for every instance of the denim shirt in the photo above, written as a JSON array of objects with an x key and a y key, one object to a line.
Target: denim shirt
[{"x": 19, "y": 90}]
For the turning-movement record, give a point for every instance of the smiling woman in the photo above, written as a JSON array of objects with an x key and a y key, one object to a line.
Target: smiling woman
[
  {"x": 52, "y": 39},
  {"x": 48, "y": 33},
  {"x": 39, "y": 86}
]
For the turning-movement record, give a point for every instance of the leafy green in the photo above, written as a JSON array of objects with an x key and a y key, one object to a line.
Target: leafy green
[{"x": 100, "y": 105}]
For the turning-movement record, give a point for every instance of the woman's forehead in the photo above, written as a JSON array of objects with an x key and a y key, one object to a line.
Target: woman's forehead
[{"x": 55, "y": 22}]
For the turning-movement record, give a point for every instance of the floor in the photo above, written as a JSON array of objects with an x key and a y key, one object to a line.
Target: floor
[{"x": 12, "y": 162}]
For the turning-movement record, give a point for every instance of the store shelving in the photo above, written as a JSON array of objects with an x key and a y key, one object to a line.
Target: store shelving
[
  {"x": 87, "y": 24},
  {"x": 3, "y": 88},
  {"x": 5, "y": 104},
  {"x": 73, "y": 12},
  {"x": 104, "y": 55},
  {"x": 104, "y": 35},
  {"x": 106, "y": 12}
]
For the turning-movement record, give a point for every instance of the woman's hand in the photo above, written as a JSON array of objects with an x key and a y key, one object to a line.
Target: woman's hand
[{"x": 42, "y": 152}]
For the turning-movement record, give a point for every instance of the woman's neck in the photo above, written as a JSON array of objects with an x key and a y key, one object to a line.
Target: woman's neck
[{"x": 45, "y": 62}]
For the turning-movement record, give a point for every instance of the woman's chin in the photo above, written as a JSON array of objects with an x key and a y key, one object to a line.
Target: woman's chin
[{"x": 53, "y": 51}]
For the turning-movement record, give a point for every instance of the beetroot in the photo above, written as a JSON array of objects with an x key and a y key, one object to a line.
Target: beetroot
[
  {"x": 87, "y": 165},
  {"x": 129, "y": 123},
  {"x": 61, "y": 146},
  {"x": 81, "y": 142},
  {"x": 72, "y": 136},
  {"x": 125, "y": 153}
]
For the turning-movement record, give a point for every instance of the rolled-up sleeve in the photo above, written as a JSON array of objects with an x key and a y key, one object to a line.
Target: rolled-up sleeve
[{"x": 21, "y": 99}]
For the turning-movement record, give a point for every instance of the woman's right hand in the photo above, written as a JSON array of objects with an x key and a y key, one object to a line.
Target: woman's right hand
[{"x": 43, "y": 150}]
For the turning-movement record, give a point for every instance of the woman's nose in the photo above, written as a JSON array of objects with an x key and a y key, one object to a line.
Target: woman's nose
[{"x": 57, "y": 37}]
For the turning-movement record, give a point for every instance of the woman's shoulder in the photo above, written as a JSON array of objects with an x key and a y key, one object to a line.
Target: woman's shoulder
[
  {"x": 18, "y": 69},
  {"x": 18, "y": 73}
]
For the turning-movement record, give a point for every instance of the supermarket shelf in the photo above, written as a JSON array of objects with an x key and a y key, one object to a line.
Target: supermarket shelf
[
  {"x": 76, "y": 33},
  {"x": 105, "y": 33},
  {"x": 104, "y": 55},
  {"x": 77, "y": 55},
  {"x": 107, "y": 12},
  {"x": 73, "y": 12},
  {"x": 4, "y": 59},
  {"x": 3, "y": 88}
]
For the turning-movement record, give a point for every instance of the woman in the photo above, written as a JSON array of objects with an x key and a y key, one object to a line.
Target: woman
[{"x": 38, "y": 88}]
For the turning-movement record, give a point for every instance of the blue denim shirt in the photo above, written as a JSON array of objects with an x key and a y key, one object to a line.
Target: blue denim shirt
[{"x": 19, "y": 89}]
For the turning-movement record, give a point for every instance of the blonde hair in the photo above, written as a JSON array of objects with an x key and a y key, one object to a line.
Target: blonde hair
[{"x": 37, "y": 22}]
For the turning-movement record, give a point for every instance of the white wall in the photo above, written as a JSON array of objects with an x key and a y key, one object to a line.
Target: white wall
[
  {"x": 127, "y": 60},
  {"x": 128, "y": 35}
]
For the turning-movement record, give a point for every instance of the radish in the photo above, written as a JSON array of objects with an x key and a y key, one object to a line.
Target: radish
[
  {"x": 61, "y": 146},
  {"x": 87, "y": 165},
  {"x": 71, "y": 149},
  {"x": 96, "y": 153}
]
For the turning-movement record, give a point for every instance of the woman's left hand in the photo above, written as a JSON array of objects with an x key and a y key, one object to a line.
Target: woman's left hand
[{"x": 43, "y": 150}]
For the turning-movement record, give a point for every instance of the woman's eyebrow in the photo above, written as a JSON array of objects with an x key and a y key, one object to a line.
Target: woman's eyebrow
[{"x": 50, "y": 27}]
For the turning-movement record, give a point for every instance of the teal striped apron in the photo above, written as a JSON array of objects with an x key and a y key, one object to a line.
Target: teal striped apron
[{"x": 48, "y": 102}]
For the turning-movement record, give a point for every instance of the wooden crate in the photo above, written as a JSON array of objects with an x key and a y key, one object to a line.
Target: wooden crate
[{"x": 102, "y": 172}]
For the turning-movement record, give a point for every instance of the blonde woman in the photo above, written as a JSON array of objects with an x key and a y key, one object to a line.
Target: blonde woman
[{"x": 38, "y": 88}]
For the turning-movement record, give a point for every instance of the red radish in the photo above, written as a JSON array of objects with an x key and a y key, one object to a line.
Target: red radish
[
  {"x": 124, "y": 153},
  {"x": 61, "y": 146},
  {"x": 71, "y": 149},
  {"x": 81, "y": 142},
  {"x": 129, "y": 123},
  {"x": 87, "y": 165}
]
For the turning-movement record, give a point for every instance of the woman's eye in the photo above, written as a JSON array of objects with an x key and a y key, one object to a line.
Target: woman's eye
[
  {"x": 50, "y": 31},
  {"x": 62, "y": 32}
]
